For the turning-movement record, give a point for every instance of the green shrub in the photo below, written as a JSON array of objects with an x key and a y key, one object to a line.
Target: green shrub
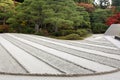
[
  {"x": 72, "y": 37},
  {"x": 67, "y": 32},
  {"x": 99, "y": 28},
  {"x": 63, "y": 32},
  {"x": 26, "y": 29},
  {"x": 82, "y": 32},
  {"x": 57, "y": 33}
]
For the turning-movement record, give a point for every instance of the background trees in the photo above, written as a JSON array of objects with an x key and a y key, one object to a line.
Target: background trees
[
  {"x": 65, "y": 15},
  {"x": 116, "y": 2},
  {"x": 6, "y": 9},
  {"x": 84, "y": 1},
  {"x": 98, "y": 20},
  {"x": 58, "y": 15}
]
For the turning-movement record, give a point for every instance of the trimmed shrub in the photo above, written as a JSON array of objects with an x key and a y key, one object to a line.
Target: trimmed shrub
[
  {"x": 72, "y": 37},
  {"x": 67, "y": 32},
  {"x": 82, "y": 32},
  {"x": 64, "y": 32},
  {"x": 99, "y": 28}
]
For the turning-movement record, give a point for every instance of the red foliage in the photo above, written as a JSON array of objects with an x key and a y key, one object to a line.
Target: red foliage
[
  {"x": 88, "y": 7},
  {"x": 115, "y": 19}
]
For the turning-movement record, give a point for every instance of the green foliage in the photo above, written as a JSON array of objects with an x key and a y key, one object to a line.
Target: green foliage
[
  {"x": 61, "y": 14},
  {"x": 67, "y": 32},
  {"x": 73, "y": 37},
  {"x": 15, "y": 26},
  {"x": 6, "y": 10},
  {"x": 56, "y": 17},
  {"x": 98, "y": 19},
  {"x": 100, "y": 15},
  {"x": 116, "y": 2},
  {"x": 64, "y": 32},
  {"x": 85, "y": 1},
  {"x": 64, "y": 15},
  {"x": 85, "y": 23},
  {"x": 117, "y": 9},
  {"x": 99, "y": 28},
  {"x": 82, "y": 32}
]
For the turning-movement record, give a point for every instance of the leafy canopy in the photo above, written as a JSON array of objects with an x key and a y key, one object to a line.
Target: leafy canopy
[
  {"x": 6, "y": 9},
  {"x": 58, "y": 13}
]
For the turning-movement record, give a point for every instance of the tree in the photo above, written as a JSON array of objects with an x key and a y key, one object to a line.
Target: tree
[
  {"x": 6, "y": 10},
  {"x": 116, "y": 2},
  {"x": 86, "y": 18},
  {"x": 98, "y": 20},
  {"x": 84, "y": 1},
  {"x": 115, "y": 19},
  {"x": 65, "y": 14},
  {"x": 100, "y": 15},
  {"x": 59, "y": 14},
  {"x": 89, "y": 7},
  {"x": 30, "y": 12}
]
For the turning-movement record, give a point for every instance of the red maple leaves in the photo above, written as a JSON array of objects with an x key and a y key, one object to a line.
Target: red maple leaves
[
  {"x": 115, "y": 19},
  {"x": 88, "y": 7}
]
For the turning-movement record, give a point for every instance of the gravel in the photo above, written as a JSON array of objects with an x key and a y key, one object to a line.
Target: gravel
[
  {"x": 77, "y": 60},
  {"x": 8, "y": 64},
  {"x": 11, "y": 62},
  {"x": 56, "y": 62},
  {"x": 94, "y": 47},
  {"x": 30, "y": 63},
  {"x": 98, "y": 43},
  {"x": 94, "y": 57}
]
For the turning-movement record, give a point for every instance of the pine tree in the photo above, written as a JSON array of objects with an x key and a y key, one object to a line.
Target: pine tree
[{"x": 58, "y": 13}]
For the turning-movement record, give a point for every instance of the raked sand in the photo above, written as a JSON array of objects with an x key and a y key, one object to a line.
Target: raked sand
[{"x": 31, "y": 54}]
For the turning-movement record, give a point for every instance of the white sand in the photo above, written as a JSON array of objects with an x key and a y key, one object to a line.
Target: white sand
[
  {"x": 32, "y": 64},
  {"x": 80, "y": 61},
  {"x": 82, "y": 49}
]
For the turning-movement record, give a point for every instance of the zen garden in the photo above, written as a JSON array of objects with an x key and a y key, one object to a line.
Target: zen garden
[{"x": 59, "y": 39}]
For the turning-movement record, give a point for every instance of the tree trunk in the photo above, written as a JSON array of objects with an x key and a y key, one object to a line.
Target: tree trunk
[
  {"x": 4, "y": 21},
  {"x": 56, "y": 29},
  {"x": 36, "y": 28}
]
